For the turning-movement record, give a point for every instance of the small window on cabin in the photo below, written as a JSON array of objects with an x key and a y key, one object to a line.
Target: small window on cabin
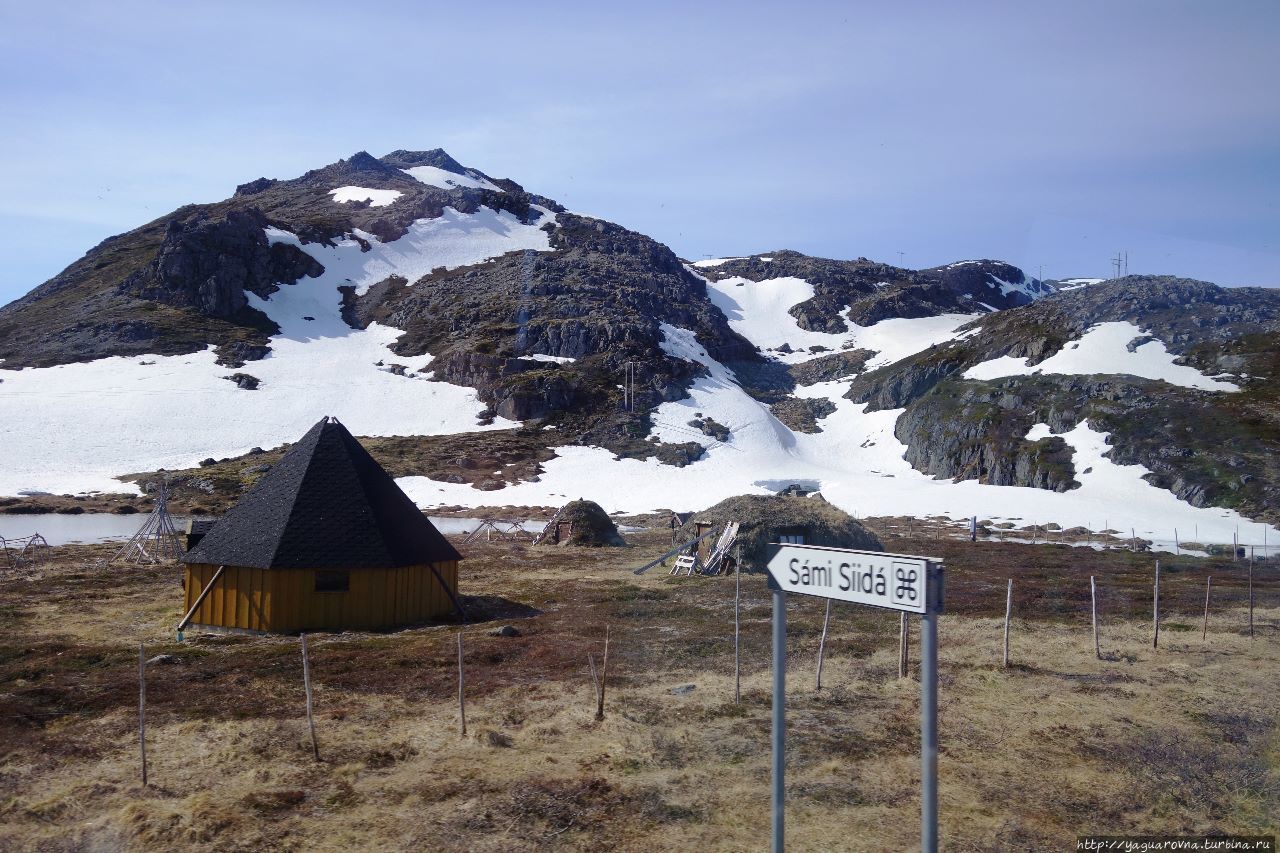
[
  {"x": 791, "y": 535},
  {"x": 333, "y": 581}
]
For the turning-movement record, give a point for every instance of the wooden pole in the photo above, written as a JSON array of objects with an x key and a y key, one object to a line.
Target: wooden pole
[
  {"x": 1208, "y": 585},
  {"x": 186, "y": 620},
  {"x": 1155, "y": 609},
  {"x": 1008, "y": 612},
  {"x": 1250, "y": 593},
  {"x": 902, "y": 644},
  {"x": 142, "y": 709},
  {"x": 604, "y": 674},
  {"x": 1133, "y": 540},
  {"x": 737, "y": 628},
  {"x": 595, "y": 681},
  {"x": 1093, "y": 597},
  {"x": 1177, "y": 546},
  {"x": 462, "y": 683},
  {"x": 822, "y": 643},
  {"x": 306, "y": 686}
]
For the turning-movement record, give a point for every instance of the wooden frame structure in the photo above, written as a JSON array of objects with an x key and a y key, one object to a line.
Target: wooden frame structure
[{"x": 158, "y": 540}]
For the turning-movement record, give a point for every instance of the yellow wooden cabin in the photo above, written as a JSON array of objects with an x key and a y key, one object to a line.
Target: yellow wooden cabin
[{"x": 326, "y": 540}]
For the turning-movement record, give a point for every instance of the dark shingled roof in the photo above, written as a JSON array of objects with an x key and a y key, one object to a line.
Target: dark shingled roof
[{"x": 325, "y": 505}]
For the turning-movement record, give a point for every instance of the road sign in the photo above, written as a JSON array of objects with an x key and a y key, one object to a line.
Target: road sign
[{"x": 893, "y": 581}]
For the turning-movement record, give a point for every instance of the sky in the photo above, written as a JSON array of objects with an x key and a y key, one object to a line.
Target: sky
[{"x": 1050, "y": 135}]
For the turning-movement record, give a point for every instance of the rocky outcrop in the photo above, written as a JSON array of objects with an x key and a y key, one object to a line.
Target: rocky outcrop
[
  {"x": 827, "y": 368},
  {"x": 866, "y": 292},
  {"x": 600, "y": 298},
  {"x": 802, "y": 414},
  {"x": 898, "y": 384},
  {"x": 178, "y": 284},
  {"x": 210, "y": 265}
]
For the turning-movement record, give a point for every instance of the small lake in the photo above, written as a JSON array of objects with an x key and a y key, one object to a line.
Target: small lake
[{"x": 91, "y": 527}]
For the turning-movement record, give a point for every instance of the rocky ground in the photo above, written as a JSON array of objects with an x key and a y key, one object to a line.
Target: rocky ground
[{"x": 1180, "y": 739}]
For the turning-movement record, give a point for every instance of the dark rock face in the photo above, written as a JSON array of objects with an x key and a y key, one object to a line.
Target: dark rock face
[
  {"x": 870, "y": 292},
  {"x": 600, "y": 298},
  {"x": 828, "y": 368},
  {"x": 802, "y": 414},
  {"x": 178, "y": 284},
  {"x": 237, "y": 353},
  {"x": 208, "y": 266},
  {"x": 255, "y": 187}
]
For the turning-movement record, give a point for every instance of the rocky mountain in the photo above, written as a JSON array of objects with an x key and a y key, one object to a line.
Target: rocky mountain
[
  {"x": 1208, "y": 445},
  {"x": 866, "y": 292},
  {"x": 462, "y": 323}
]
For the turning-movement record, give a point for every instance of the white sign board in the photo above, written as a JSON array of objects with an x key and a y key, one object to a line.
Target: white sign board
[{"x": 893, "y": 581}]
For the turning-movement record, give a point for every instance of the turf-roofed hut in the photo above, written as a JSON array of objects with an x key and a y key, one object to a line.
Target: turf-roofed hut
[
  {"x": 766, "y": 519},
  {"x": 325, "y": 540}
]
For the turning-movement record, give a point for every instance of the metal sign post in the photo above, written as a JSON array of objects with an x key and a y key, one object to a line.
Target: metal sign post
[{"x": 892, "y": 581}]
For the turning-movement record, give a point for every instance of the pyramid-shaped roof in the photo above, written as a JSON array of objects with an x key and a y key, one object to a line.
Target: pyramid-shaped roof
[{"x": 325, "y": 505}]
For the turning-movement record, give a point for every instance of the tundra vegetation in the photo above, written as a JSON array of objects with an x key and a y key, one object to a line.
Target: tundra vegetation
[{"x": 1182, "y": 739}]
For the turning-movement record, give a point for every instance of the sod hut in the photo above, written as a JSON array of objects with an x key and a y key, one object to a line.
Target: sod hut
[
  {"x": 582, "y": 523},
  {"x": 326, "y": 540},
  {"x": 764, "y": 519}
]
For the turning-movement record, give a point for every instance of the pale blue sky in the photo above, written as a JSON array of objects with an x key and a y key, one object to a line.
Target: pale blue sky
[{"x": 1046, "y": 134}]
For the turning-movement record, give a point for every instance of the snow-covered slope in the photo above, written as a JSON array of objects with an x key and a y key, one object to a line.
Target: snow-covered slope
[
  {"x": 473, "y": 279},
  {"x": 1105, "y": 349},
  {"x": 72, "y": 428},
  {"x": 856, "y": 460}
]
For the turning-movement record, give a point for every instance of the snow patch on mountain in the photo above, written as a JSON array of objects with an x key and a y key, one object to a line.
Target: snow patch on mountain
[
  {"x": 1030, "y": 287},
  {"x": 1104, "y": 349},
  {"x": 718, "y": 396},
  {"x": 1078, "y": 283},
  {"x": 856, "y": 460},
  {"x": 444, "y": 179},
  {"x": 376, "y": 198},
  {"x": 759, "y": 311},
  {"x": 71, "y": 428},
  {"x": 1105, "y": 482},
  {"x": 449, "y": 241}
]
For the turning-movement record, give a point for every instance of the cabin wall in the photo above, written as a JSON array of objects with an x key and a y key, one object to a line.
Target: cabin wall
[{"x": 285, "y": 600}]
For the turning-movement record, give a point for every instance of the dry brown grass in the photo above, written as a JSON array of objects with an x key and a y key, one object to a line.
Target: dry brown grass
[{"x": 1183, "y": 739}]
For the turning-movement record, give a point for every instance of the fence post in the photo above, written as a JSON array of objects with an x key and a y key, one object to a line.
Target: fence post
[
  {"x": 1155, "y": 607},
  {"x": 903, "y": 637},
  {"x": 462, "y": 682},
  {"x": 306, "y": 686},
  {"x": 1251, "y": 593},
  {"x": 142, "y": 709},
  {"x": 737, "y": 627},
  {"x": 822, "y": 644},
  {"x": 1208, "y": 584},
  {"x": 1008, "y": 612},
  {"x": 1093, "y": 596}
]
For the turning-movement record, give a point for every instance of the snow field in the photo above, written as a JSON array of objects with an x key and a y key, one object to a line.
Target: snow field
[
  {"x": 1103, "y": 350},
  {"x": 376, "y": 198},
  {"x": 436, "y": 177},
  {"x": 857, "y": 459},
  {"x": 759, "y": 312},
  {"x": 73, "y": 428}
]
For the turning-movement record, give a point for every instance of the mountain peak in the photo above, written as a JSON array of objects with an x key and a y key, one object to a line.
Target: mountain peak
[{"x": 437, "y": 157}]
